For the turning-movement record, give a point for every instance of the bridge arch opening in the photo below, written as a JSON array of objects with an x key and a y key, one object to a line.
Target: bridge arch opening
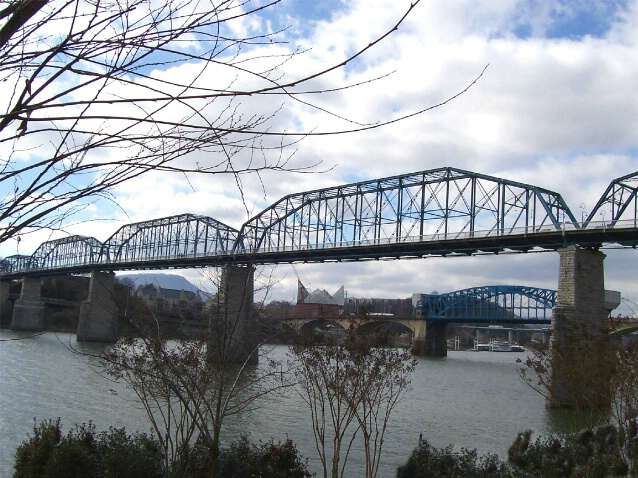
[
  {"x": 323, "y": 329},
  {"x": 385, "y": 332}
]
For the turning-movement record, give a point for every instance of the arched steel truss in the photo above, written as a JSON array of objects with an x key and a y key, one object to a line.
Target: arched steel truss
[
  {"x": 185, "y": 235},
  {"x": 493, "y": 304},
  {"x": 617, "y": 203},
  {"x": 411, "y": 207},
  {"x": 17, "y": 262},
  {"x": 182, "y": 236},
  {"x": 67, "y": 252}
]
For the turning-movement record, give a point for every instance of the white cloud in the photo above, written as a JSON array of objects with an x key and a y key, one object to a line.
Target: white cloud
[{"x": 560, "y": 113}]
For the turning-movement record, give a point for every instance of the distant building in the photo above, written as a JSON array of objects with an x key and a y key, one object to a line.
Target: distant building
[
  {"x": 171, "y": 301},
  {"x": 318, "y": 303},
  {"x": 378, "y": 307}
]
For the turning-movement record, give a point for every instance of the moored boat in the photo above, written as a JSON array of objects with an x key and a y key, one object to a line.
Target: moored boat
[{"x": 497, "y": 346}]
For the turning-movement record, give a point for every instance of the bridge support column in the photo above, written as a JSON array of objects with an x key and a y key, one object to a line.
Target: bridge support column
[
  {"x": 98, "y": 314},
  {"x": 579, "y": 351},
  {"x": 28, "y": 310},
  {"x": 233, "y": 334},
  {"x": 5, "y": 304},
  {"x": 434, "y": 344}
]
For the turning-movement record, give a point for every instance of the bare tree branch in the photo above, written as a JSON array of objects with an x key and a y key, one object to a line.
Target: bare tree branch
[{"x": 90, "y": 102}]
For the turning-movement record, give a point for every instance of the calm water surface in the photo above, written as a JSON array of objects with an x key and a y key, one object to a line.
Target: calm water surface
[{"x": 469, "y": 399}]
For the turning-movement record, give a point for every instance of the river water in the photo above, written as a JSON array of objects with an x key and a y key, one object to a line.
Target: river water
[{"x": 468, "y": 399}]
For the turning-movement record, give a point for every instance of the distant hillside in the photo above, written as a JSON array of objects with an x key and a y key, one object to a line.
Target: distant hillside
[{"x": 166, "y": 281}]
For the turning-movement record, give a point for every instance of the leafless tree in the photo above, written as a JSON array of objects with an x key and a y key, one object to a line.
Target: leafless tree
[
  {"x": 624, "y": 405},
  {"x": 575, "y": 370},
  {"x": 603, "y": 379},
  {"x": 89, "y": 100},
  {"x": 188, "y": 388},
  {"x": 323, "y": 384},
  {"x": 350, "y": 388},
  {"x": 381, "y": 381}
]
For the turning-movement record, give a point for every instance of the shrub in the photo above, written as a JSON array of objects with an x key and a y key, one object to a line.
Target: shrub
[
  {"x": 604, "y": 452},
  {"x": 263, "y": 460},
  {"x": 429, "y": 462},
  {"x": 84, "y": 453},
  {"x": 134, "y": 456},
  {"x": 589, "y": 453}
]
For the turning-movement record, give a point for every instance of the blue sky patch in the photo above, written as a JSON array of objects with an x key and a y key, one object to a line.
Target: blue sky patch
[{"x": 572, "y": 19}]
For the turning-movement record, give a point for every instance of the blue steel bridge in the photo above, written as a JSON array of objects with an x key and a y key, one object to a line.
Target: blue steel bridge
[
  {"x": 496, "y": 304},
  {"x": 438, "y": 212}
]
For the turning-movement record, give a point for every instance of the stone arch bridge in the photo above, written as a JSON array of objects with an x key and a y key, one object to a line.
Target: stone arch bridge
[{"x": 495, "y": 304}]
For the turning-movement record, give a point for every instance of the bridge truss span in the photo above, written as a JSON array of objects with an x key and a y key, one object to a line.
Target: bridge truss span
[
  {"x": 619, "y": 202},
  {"x": 410, "y": 208},
  {"x": 67, "y": 252},
  {"x": 490, "y": 304},
  {"x": 182, "y": 236}
]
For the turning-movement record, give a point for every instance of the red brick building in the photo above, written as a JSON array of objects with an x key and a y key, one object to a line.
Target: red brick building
[{"x": 318, "y": 303}]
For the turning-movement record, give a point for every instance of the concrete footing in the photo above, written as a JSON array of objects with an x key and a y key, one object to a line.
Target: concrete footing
[
  {"x": 28, "y": 310},
  {"x": 579, "y": 349},
  {"x": 233, "y": 333},
  {"x": 98, "y": 314}
]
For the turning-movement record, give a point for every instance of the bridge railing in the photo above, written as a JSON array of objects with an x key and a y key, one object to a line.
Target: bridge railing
[{"x": 442, "y": 237}]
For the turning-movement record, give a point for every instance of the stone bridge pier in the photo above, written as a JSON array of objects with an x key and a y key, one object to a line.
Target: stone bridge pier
[
  {"x": 233, "y": 330},
  {"x": 5, "y": 306},
  {"x": 579, "y": 351},
  {"x": 98, "y": 314},
  {"x": 429, "y": 339},
  {"x": 28, "y": 310}
]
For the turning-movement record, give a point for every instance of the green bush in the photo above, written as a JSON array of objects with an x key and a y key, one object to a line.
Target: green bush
[
  {"x": 245, "y": 460},
  {"x": 122, "y": 455},
  {"x": 263, "y": 460},
  {"x": 590, "y": 453},
  {"x": 601, "y": 453},
  {"x": 84, "y": 453},
  {"x": 429, "y": 462}
]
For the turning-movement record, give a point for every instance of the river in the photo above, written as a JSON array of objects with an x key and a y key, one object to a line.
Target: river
[{"x": 468, "y": 399}]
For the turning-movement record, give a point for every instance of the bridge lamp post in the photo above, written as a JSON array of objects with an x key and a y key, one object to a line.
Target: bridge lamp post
[
  {"x": 602, "y": 213},
  {"x": 582, "y": 213}
]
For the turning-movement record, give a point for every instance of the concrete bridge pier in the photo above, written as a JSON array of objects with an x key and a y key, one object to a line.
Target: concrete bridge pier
[
  {"x": 233, "y": 333},
  {"x": 434, "y": 343},
  {"x": 28, "y": 310},
  {"x": 579, "y": 352},
  {"x": 5, "y": 305},
  {"x": 98, "y": 314}
]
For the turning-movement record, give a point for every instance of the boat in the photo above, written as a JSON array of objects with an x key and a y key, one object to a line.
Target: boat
[
  {"x": 481, "y": 347},
  {"x": 497, "y": 346},
  {"x": 500, "y": 347}
]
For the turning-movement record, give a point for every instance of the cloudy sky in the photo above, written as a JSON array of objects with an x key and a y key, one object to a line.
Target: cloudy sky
[{"x": 557, "y": 107}]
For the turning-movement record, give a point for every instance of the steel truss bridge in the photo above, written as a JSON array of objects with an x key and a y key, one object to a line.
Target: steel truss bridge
[
  {"x": 490, "y": 304},
  {"x": 443, "y": 211}
]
